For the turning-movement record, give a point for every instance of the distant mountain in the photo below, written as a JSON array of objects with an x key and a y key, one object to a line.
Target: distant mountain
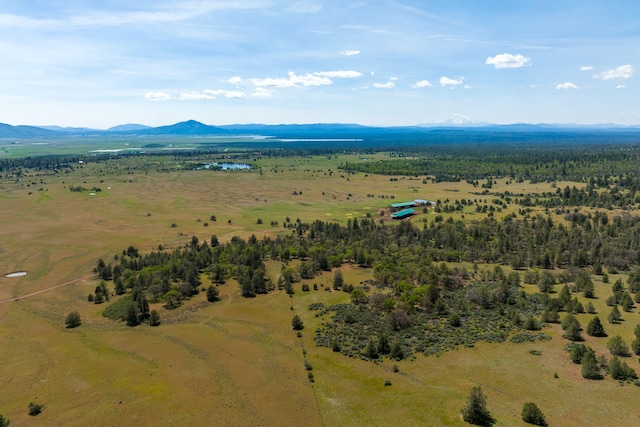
[
  {"x": 327, "y": 131},
  {"x": 8, "y": 131},
  {"x": 190, "y": 127},
  {"x": 129, "y": 127},
  {"x": 69, "y": 129}
]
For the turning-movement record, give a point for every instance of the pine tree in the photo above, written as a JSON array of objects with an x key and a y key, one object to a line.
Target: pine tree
[
  {"x": 590, "y": 366},
  {"x": 154, "y": 318},
  {"x": 614, "y": 316},
  {"x": 372, "y": 350},
  {"x": 212, "y": 294},
  {"x": 383, "y": 344},
  {"x": 475, "y": 411},
  {"x": 533, "y": 415},
  {"x": 617, "y": 346},
  {"x": 296, "y": 323},
  {"x": 595, "y": 328}
]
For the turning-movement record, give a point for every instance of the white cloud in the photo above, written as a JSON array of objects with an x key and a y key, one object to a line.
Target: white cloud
[
  {"x": 235, "y": 80},
  {"x": 622, "y": 72},
  {"x": 373, "y": 73},
  {"x": 225, "y": 93},
  {"x": 293, "y": 80},
  {"x": 620, "y": 86},
  {"x": 305, "y": 6},
  {"x": 195, "y": 96},
  {"x": 387, "y": 85},
  {"x": 342, "y": 74},
  {"x": 350, "y": 52},
  {"x": 507, "y": 60},
  {"x": 393, "y": 79},
  {"x": 157, "y": 96},
  {"x": 566, "y": 85},
  {"x": 421, "y": 84},
  {"x": 586, "y": 68},
  {"x": 261, "y": 92},
  {"x": 446, "y": 81}
]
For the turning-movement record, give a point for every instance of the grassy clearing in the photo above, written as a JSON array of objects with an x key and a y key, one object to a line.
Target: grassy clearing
[{"x": 237, "y": 361}]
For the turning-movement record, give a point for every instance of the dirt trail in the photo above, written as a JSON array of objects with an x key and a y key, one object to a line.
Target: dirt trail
[{"x": 93, "y": 276}]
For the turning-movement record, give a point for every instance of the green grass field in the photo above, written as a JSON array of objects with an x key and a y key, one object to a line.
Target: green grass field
[{"x": 237, "y": 361}]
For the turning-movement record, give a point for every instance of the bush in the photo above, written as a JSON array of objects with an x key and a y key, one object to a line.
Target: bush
[
  {"x": 533, "y": 415},
  {"x": 73, "y": 320},
  {"x": 35, "y": 409},
  {"x": 4, "y": 422}
]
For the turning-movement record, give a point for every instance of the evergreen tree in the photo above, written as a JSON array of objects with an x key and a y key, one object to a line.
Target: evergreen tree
[
  {"x": 590, "y": 366},
  {"x": 212, "y": 293},
  {"x": 383, "y": 344},
  {"x": 595, "y": 328},
  {"x": 635, "y": 346},
  {"x": 338, "y": 280},
  {"x": 617, "y": 346},
  {"x": 4, "y": 422},
  {"x": 154, "y": 318},
  {"x": 396, "y": 351},
  {"x": 475, "y": 411},
  {"x": 614, "y": 315},
  {"x": 132, "y": 315},
  {"x": 533, "y": 415},
  {"x": 372, "y": 350},
  {"x": 73, "y": 320},
  {"x": 619, "y": 370},
  {"x": 572, "y": 332},
  {"x": 577, "y": 352},
  {"x": 296, "y": 323}
]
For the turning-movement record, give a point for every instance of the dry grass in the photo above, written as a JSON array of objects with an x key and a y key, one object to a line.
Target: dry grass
[{"x": 237, "y": 362}]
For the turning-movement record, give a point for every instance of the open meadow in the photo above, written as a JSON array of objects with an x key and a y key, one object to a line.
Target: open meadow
[{"x": 237, "y": 361}]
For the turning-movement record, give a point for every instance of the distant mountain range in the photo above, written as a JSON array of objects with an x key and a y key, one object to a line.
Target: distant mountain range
[{"x": 318, "y": 130}]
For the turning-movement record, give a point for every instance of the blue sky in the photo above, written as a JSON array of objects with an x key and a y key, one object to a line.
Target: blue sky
[{"x": 99, "y": 64}]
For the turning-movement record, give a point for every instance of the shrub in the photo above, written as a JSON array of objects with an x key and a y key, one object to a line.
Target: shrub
[
  {"x": 454, "y": 320},
  {"x": 35, "y": 409}
]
